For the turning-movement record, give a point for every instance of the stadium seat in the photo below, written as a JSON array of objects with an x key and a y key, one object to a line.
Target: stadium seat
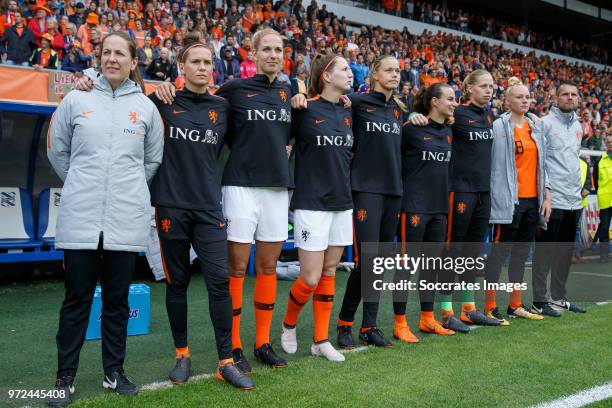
[
  {"x": 16, "y": 220},
  {"x": 48, "y": 205}
]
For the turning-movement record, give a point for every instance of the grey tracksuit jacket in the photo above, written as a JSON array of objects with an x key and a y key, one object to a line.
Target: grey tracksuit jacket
[
  {"x": 504, "y": 178},
  {"x": 106, "y": 146}
]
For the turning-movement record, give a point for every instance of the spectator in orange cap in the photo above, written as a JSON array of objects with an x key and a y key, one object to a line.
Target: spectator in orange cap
[
  {"x": 45, "y": 56},
  {"x": 38, "y": 25},
  {"x": 288, "y": 61},
  {"x": 84, "y": 32}
]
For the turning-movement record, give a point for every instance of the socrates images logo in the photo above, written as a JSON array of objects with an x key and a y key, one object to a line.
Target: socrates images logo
[
  {"x": 7, "y": 198},
  {"x": 415, "y": 220}
]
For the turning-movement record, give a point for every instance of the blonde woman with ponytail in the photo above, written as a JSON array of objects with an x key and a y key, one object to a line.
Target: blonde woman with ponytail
[
  {"x": 376, "y": 181},
  {"x": 521, "y": 198}
]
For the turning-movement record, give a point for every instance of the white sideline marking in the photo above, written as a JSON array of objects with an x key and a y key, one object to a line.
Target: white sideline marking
[
  {"x": 601, "y": 275},
  {"x": 167, "y": 384},
  {"x": 581, "y": 398},
  {"x": 603, "y": 303},
  {"x": 355, "y": 350}
]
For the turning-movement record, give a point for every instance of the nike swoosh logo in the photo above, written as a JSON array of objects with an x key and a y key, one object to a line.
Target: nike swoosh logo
[
  {"x": 319, "y": 121},
  {"x": 113, "y": 384},
  {"x": 370, "y": 109},
  {"x": 222, "y": 225},
  {"x": 251, "y": 95},
  {"x": 427, "y": 138},
  {"x": 87, "y": 113},
  {"x": 176, "y": 112},
  {"x": 470, "y": 121}
]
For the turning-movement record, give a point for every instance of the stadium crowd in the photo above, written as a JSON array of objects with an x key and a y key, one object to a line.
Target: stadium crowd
[
  {"x": 489, "y": 26},
  {"x": 66, "y": 35}
]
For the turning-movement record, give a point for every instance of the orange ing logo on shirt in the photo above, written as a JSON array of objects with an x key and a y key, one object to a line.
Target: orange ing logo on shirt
[
  {"x": 450, "y": 139},
  {"x": 347, "y": 122},
  {"x": 415, "y": 220},
  {"x": 213, "y": 116},
  {"x": 133, "y": 117},
  {"x": 165, "y": 225},
  {"x": 461, "y": 206},
  {"x": 489, "y": 119},
  {"x": 362, "y": 214},
  {"x": 283, "y": 95},
  {"x": 396, "y": 113}
]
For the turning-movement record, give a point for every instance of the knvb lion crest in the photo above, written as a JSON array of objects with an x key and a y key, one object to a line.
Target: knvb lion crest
[
  {"x": 213, "y": 116},
  {"x": 415, "y": 220},
  {"x": 165, "y": 225},
  {"x": 396, "y": 113},
  {"x": 133, "y": 117},
  {"x": 283, "y": 95},
  {"x": 305, "y": 235},
  {"x": 347, "y": 122},
  {"x": 362, "y": 214},
  {"x": 461, "y": 207}
]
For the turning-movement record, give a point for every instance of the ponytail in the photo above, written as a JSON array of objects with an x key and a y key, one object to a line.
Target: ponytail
[{"x": 422, "y": 102}]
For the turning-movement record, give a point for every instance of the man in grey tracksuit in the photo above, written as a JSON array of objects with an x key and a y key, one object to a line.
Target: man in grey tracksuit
[{"x": 562, "y": 134}]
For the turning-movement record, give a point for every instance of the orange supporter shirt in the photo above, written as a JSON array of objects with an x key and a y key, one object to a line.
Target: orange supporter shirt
[
  {"x": 526, "y": 154},
  {"x": 44, "y": 58}
]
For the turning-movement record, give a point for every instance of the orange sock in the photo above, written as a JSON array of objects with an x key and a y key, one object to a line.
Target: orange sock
[
  {"x": 264, "y": 297},
  {"x": 490, "y": 300},
  {"x": 468, "y": 307},
  {"x": 344, "y": 323},
  {"x": 182, "y": 352},
  {"x": 446, "y": 312},
  {"x": 400, "y": 320},
  {"x": 427, "y": 315},
  {"x": 515, "y": 299},
  {"x": 322, "y": 302},
  {"x": 235, "y": 288},
  {"x": 298, "y": 296}
]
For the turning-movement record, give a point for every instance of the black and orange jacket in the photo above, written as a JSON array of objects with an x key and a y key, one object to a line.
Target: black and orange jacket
[
  {"x": 194, "y": 128},
  {"x": 426, "y": 155},
  {"x": 323, "y": 142},
  {"x": 258, "y": 133},
  {"x": 470, "y": 167},
  {"x": 377, "y": 164}
]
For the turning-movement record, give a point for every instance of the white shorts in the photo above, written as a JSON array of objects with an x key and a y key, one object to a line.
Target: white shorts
[
  {"x": 316, "y": 230},
  {"x": 259, "y": 213}
]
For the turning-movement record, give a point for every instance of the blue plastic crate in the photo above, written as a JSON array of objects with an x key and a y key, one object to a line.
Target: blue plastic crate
[{"x": 140, "y": 312}]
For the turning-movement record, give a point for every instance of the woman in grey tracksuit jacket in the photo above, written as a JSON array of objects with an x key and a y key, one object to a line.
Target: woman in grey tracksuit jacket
[
  {"x": 515, "y": 216},
  {"x": 106, "y": 145}
]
